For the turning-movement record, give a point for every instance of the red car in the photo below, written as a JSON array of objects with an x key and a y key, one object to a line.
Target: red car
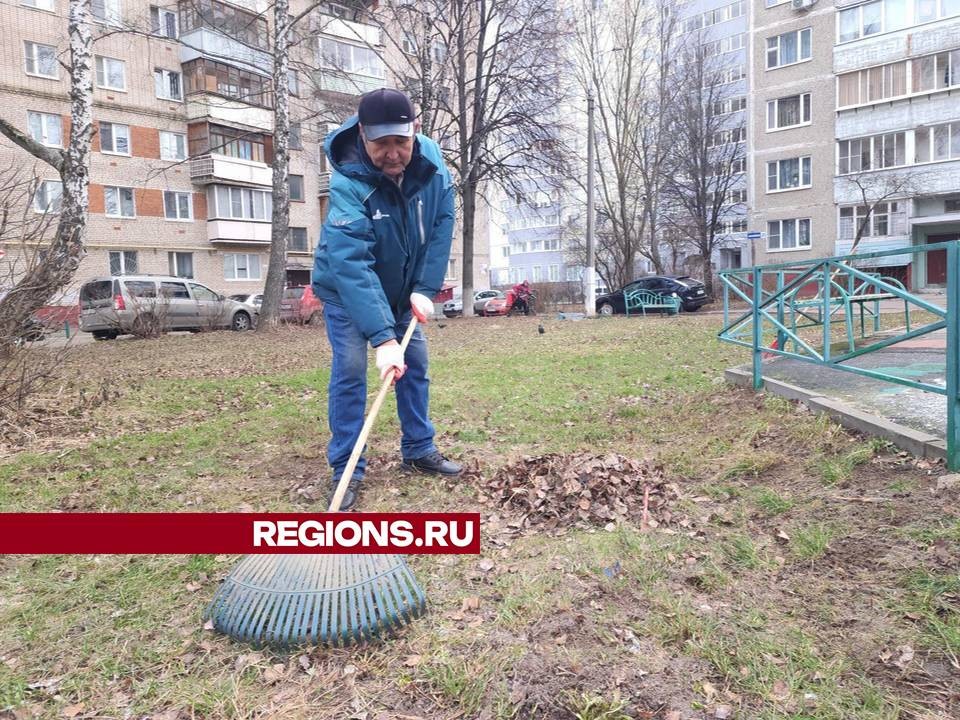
[
  {"x": 300, "y": 305},
  {"x": 506, "y": 306}
]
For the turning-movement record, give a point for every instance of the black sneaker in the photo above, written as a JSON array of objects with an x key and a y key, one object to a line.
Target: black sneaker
[
  {"x": 351, "y": 494},
  {"x": 433, "y": 463}
]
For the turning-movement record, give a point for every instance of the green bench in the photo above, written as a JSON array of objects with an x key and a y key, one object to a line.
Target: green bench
[{"x": 644, "y": 300}]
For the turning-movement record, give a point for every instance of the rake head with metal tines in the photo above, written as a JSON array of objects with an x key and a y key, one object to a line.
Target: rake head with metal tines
[{"x": 328, "y": 599}]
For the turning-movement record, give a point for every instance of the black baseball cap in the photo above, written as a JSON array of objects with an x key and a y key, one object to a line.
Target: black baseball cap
[{"x": 386, "y": 112}]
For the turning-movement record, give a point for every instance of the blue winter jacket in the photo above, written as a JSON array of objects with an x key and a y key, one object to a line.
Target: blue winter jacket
[{"x": 381, "y": 242}]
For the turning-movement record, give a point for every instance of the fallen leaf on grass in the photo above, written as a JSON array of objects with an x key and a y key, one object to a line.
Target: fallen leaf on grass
[
  {"x": 71, "y": 711},
  {"x": 899, "y": 657},
  {"x": 413, "y": 660},
  {"x": 486, "y": 565},
  {"x": 709, "y": 690},
  {"x": 208, "y": 625},
  {"x": 192, "y": 586},
  {"x": 779, "y": 692},
  {"x": 723, "y": 712},
  {"x": 471, "y": 602},
  {"x": 273, "y": 674}
]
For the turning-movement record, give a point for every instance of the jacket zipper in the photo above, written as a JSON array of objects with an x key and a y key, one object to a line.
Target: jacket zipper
[{"x": 423, "y": 235}]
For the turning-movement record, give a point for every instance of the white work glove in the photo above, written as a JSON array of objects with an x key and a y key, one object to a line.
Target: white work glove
[
  {"x": 422, "y": 306},
  {"x": 390, "y": 358}
]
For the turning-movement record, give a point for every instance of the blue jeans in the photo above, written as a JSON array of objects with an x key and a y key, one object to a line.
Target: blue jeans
[{"x": 347, "y": 400}]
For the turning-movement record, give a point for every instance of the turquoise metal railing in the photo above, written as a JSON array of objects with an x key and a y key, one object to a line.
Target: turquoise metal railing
[{"x": 789, "y": 301}]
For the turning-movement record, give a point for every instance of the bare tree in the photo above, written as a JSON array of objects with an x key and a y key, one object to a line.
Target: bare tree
[
  {"x": 707, "y": 165},
  {"x": 485, "y": 74},
  {"x": 869, "y": 192},
  {"x": 68, "y": 246}
]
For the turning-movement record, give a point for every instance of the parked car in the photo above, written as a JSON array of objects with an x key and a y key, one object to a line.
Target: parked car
[
  {"x": 454, "y": 307},
  {"x": 300, "y": 305},
  {"x": 505, "y": 305},
  {"x": 252, "y": 299},
  {"x": 691, "y": 293},
  {"x": 144, "y": 304}
]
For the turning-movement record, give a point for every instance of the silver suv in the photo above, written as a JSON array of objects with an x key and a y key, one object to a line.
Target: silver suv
[{"x": 152, "y": 304}]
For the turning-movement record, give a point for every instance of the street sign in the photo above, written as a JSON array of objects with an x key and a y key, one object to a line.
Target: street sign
[{"x": 755, "y": 235}]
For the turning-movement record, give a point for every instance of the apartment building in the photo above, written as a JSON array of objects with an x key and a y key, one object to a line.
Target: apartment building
[
  {"x": 180, "y": 177},
  {"x": 723, "y": 28},
  {"x": 897, "y": 66},
  {"x": 791, "y": 161}
]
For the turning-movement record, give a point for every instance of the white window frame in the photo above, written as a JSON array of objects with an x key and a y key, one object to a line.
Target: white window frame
[
  {"x": 303, "y": 188},
  {"x": 173, "y": 264},
  {"x": 161, "y": 28},
  {"x": 306, "y": 238},
  {"x": 910, "y": 16},
  {"x": 122, "y": 256},
  {"x": 779, "y": 235},
  {"x": 352, "y": 65},
  {"x": 49, "y": 206},
  {"x": 801, "y": 161},
  {"x": 451, "y": 269},
  {"x": 179, "y": 217},
  {"x": 800, "y": 58},
  {"x": 535, "y": 274},
  {"x": 805, "y": 104},
  {"x": 119, "y": 195},
  {"x": 113, "y": 138},
  {"x": 248, "y": 198},
  {"x": 249, "y": 259},
  {"x": 171, "y": 141},
  {"x": 100, "y": 70},
  {"x": 112, "y": 14},
  {"x": 553, "y": 273},
  {"x": 45, "y": 120},
  {"x": 872, "y": 139},
  {"x": 34, "y": 58},
  {"x": 47, "y": 5},
  {"x": 161, "y": 81}
]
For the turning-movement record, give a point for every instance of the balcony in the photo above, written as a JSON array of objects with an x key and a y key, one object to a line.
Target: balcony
[
  {"x": 349, "y": 30},
  {"x": 204, "y": 106},
  {"x": 238, "y": 232},
  {"x": 323, "y": 187},
  {"x": 207, "y": 169},
  {"x": 203, "y": 42},
  {"x": 347, "y": 83}
]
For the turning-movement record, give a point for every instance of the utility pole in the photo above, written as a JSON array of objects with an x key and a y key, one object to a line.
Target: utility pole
[{"x": 590, "y": 296}]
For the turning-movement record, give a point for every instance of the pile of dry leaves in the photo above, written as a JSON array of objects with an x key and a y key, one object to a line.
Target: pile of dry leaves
[{"x": 557, "y": 490}]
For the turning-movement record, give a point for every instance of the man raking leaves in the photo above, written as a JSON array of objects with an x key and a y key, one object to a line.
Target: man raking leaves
[{"x": 382, "y": 255}]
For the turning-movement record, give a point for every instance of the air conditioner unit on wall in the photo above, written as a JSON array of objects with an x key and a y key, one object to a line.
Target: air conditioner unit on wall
[{"x": 803, "y": 4}]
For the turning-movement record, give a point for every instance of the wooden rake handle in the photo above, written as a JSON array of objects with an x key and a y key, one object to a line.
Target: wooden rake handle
[{"x": 367, "y": 426}]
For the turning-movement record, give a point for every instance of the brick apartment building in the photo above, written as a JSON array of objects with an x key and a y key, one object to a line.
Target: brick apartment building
[{"x": 180, "y": 175}]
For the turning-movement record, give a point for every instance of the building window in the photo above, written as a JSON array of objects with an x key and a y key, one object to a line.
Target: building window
[
  {"x": 730, "y": 105},
  {"x": 107, "y": 11},
  {"x": 163, "y": 22},
  {"x": 738, "y": 195},
  {"x": 118, "y": 202},
  {"x": 168, "y": 84},
  {"x": 39, "y": 4},
  {"x": 111, "y": 73},
  {"x": 872, "y": 153},
  {"x": 535, "y": 275},
  {"x": 114, "y": 139},
  {"x": 788, "y": 112},
  {"x": 236, "y": 143},
  {"x": 297, "y": 240},
  {"x": 203, "y": 75},
  {"x": 45, "y": 128},
  {"x": 296, "y": 188},
  {"x": 296, "y": 143},
  {"x": 790, "y": 174},
  {"x": 885, "y": 220},
  {"x": 551, "y": 244},
  {"x": 293, "y": 83},
  {"x": 350, "y": 58},
  {"x": 876, "y": 17},
  {"x": 739, "y": 165},
  {"x": 936, "y": 72},
  {"x": 173, "y": 146},
  {"x": 873, "y": 84},
  {"x": 177, "y": 205},
  {"x": 451, "y": 269},
  {"x": 733, "y": 135},
  {"x": 788, "y": 48},
  {"x": 788, "y": 234},
  {"x": 247, "y": 27},
  {"x": 236, "y": 203},
  {"x": 939, "y": 142},
  {"x": 241, "y": 266},
  {"x": 41, "y": 60},
  {"x": 553, "y": 273},
  {"x": 180, "y": 264},
  {"x": 48, "y": 196},
  {"x": 123, "y": 262}
]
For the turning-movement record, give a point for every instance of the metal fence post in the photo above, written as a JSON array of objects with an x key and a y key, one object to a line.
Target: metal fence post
[
  {"x": 757, "y": 335},
  {"x": 953, "y": 356},
  {"x": 826, "y": 312},
  {"x": 726, "y": 301}
]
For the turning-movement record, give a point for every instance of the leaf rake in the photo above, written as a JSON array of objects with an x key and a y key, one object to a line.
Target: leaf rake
[{"x": 325, "y": 598}]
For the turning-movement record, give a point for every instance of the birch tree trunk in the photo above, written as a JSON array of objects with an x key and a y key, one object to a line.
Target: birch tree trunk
[
  {"x": 68, "y": 246},
  {"x": 280, "y": 219}
]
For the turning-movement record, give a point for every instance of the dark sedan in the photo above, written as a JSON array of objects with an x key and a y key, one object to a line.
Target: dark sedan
[{"x": 691, "y": 292}]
